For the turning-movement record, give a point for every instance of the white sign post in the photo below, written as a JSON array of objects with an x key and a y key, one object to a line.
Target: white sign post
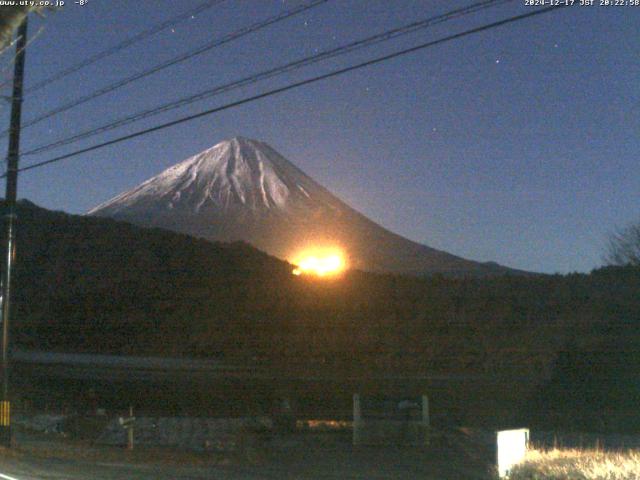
[{"x": 512, "y": 447}]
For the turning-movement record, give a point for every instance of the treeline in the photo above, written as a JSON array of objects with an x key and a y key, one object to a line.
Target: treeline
[{"x": 86, "y": 284}]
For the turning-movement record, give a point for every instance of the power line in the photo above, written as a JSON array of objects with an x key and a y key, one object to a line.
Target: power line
[
  {"x": 124, "y": 44},
  {"x": 294, "y": 85},
  {"x": 181, "y": 58},
  {"x": 321, "y": 56}
]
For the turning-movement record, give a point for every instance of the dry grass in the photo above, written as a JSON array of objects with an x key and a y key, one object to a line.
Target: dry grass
[{"x": 573, "y": 464}]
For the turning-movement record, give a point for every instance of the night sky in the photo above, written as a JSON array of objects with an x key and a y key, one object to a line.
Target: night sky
[{"x": 518, "y": 145}]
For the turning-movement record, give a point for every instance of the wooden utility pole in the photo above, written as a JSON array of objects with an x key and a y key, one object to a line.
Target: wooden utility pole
[{"x": 10, "y": 218}]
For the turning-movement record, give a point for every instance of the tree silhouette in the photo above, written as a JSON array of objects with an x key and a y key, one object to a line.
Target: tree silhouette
[{"x": 624, "y": 246}]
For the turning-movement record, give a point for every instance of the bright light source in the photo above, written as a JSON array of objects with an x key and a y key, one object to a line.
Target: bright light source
[
  {"x": 512, "y": 447},
  {"x": 319, "y": 262}
]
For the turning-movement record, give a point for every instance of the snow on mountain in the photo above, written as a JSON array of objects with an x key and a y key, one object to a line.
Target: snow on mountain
[
  {"x": 242, "y": 189},
  {"x": 239, "y": 173}
]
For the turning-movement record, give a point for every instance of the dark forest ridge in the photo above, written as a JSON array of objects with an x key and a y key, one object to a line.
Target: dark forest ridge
[{"x": 98, "y": 286}]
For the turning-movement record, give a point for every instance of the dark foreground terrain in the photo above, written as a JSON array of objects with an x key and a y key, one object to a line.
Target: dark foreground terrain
[
  {"x": 456, "y": 455},
  {"x": 551, "y": 352}
]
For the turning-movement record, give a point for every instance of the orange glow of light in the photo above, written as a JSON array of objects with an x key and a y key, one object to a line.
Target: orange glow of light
[{"x": 322, "y": 264}]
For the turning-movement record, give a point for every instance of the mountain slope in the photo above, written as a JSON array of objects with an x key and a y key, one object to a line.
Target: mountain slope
[{"x": 243, "y": 189}]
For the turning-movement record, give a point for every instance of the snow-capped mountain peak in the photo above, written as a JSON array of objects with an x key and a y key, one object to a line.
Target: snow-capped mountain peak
[
  {"x": 242, "y": 189},
  {"x": 239, "y": 173}
]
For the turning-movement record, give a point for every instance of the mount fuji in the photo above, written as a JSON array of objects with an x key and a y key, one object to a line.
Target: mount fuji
[{"x": 243, "y": 190}]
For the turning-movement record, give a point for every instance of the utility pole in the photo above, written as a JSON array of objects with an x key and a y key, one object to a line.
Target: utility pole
[{"x": 10, "y": 218}]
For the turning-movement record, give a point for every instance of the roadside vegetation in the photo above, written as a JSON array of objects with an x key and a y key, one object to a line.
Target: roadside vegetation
[{"x": 577, "y": 464}]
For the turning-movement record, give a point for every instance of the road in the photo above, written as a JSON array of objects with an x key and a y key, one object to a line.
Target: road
[
  {"x": 55, "y": 469},
  {"x": 322, "y": 459}
]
